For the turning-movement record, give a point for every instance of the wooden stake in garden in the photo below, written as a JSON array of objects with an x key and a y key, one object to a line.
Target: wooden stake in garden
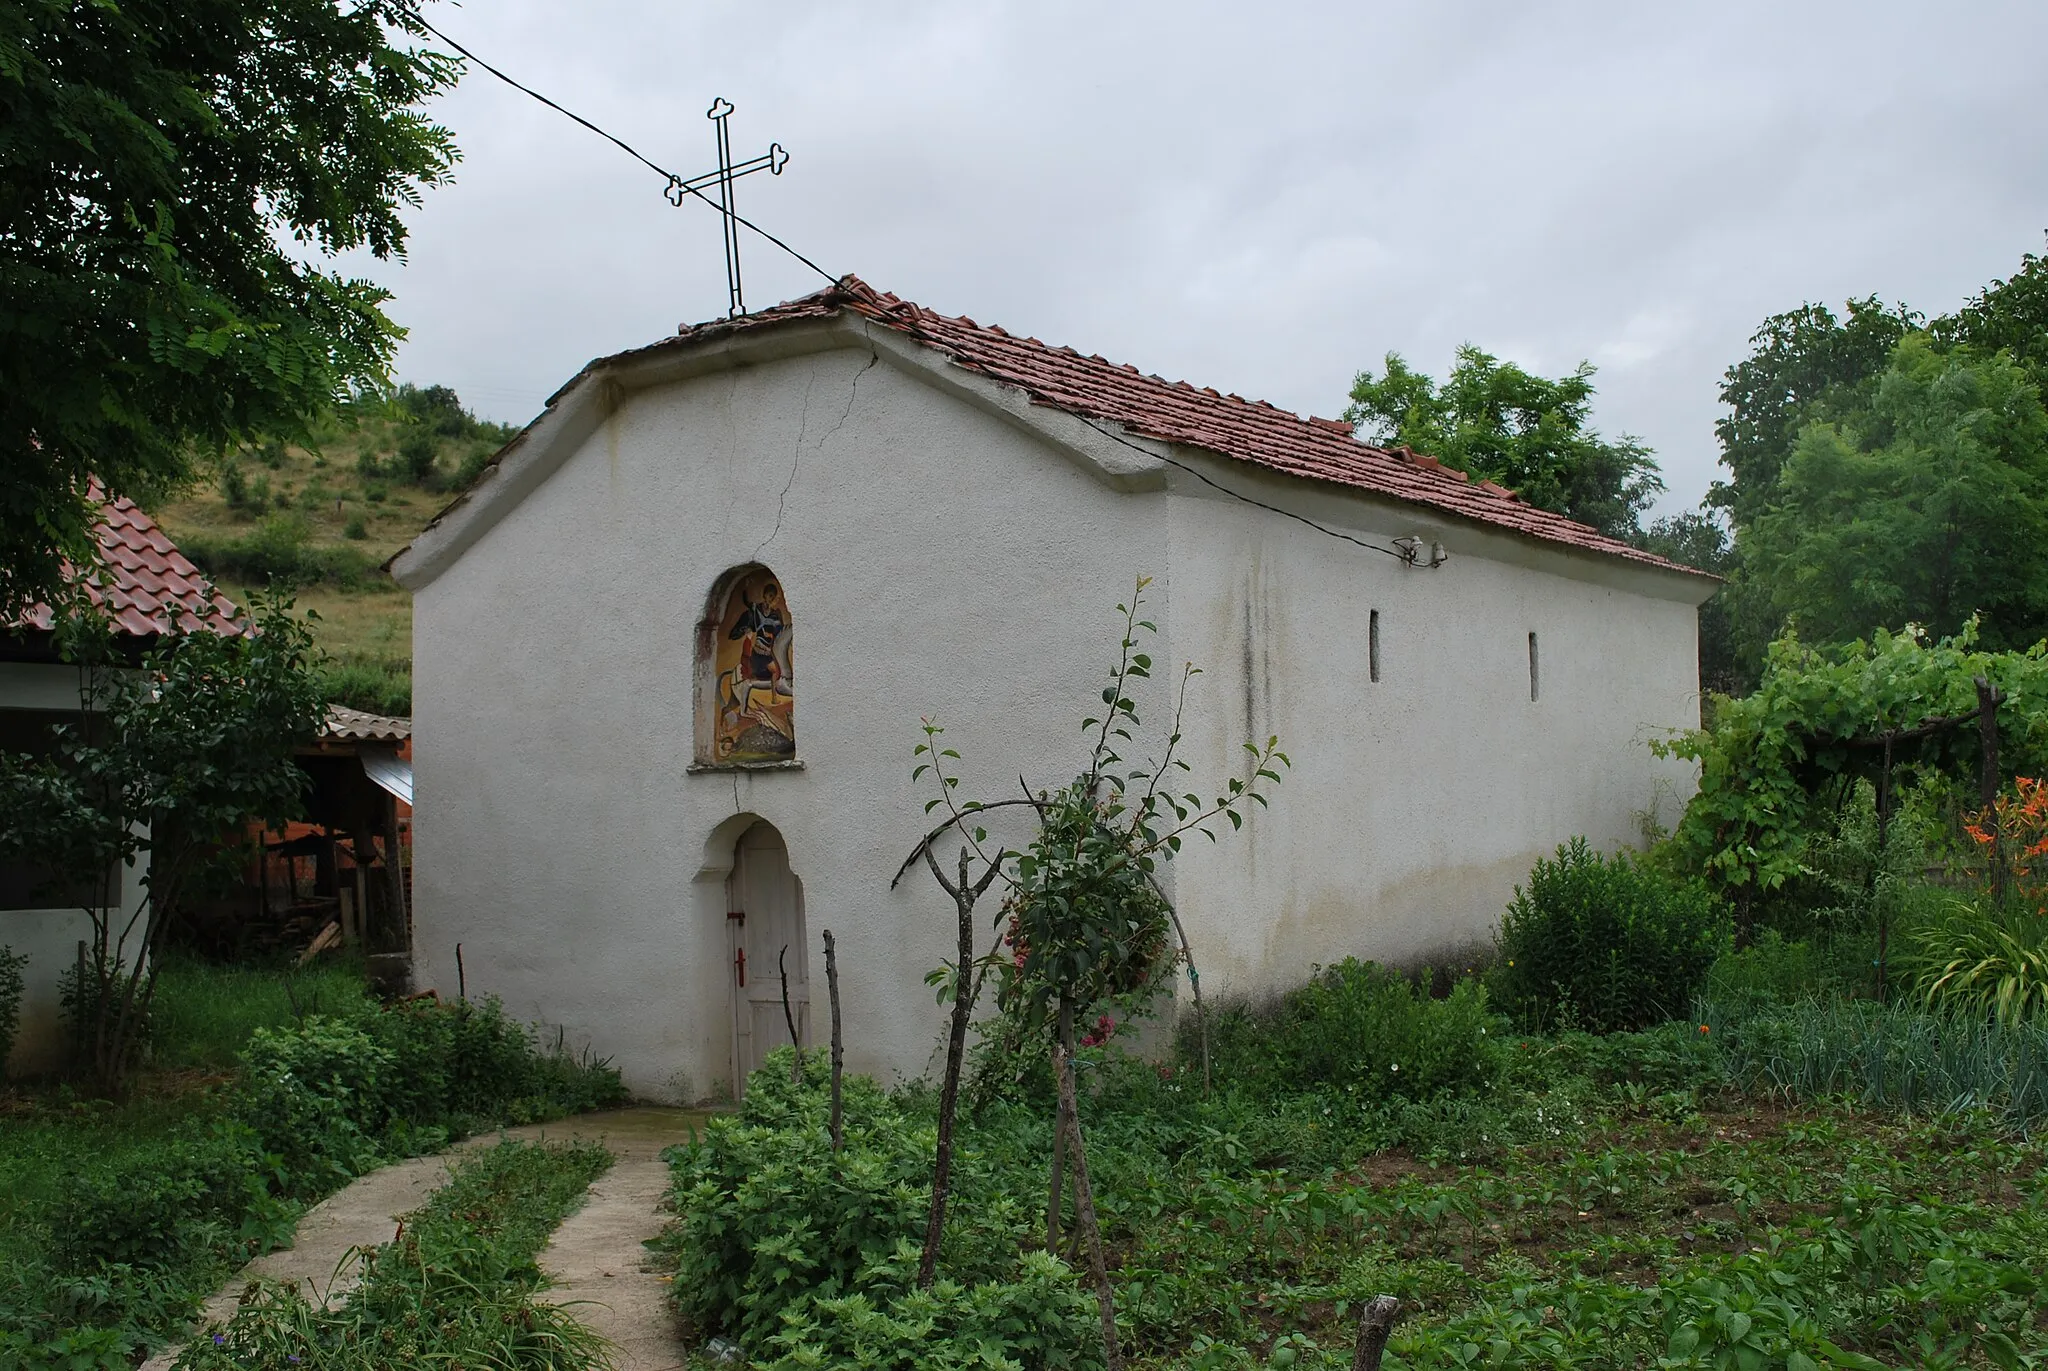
[
  {"x": 796, "y": 1068},
  {"x": 838, "y": 1046}
]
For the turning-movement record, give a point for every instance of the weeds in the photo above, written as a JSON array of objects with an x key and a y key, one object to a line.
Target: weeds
[
  {"x": 456, "y": 1288},
  {"x": 1619, "y": 1203},
  {"x": 120, "y": 1219}
]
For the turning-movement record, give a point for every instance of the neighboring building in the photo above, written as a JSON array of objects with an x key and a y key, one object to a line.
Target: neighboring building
[
  {"x": 147, "y": 587},
  {"x": 671, "y": 652}
]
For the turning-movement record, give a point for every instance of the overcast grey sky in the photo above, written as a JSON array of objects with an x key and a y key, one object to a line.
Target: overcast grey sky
[{"x": 1260, "y": 198}]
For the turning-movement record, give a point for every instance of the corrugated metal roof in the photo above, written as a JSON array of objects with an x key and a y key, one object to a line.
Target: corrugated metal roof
[
  {"x": 390, "y": 771},
  {"x": 354, "y": 726}
]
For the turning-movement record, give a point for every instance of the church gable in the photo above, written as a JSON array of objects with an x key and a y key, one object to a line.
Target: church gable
[{"x": 1123, "y": 424}]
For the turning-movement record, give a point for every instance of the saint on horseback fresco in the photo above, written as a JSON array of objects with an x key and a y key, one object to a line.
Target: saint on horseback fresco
[{"x": 754, "y": 689}]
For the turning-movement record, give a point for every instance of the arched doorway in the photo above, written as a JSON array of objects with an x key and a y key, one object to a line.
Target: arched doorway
[{"x": 765, "y": 914}]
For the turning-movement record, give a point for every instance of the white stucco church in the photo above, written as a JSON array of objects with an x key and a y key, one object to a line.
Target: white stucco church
[{"x": 671, "y": 653}]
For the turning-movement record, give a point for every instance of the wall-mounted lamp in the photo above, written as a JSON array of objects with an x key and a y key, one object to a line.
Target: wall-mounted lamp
[{"x": 1416, "y": 552}]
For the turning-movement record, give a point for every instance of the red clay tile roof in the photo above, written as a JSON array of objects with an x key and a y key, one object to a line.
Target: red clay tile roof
[
  {"x": 1176, "y": 412},
  {"x": 142, "y": 580}
]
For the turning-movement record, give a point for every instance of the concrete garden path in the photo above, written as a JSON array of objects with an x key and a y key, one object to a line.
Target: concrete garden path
[{"x": 595, "y": 1259}]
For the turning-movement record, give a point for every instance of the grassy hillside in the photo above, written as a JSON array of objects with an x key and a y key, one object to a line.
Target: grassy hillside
[{"x": 323, "y": 518}]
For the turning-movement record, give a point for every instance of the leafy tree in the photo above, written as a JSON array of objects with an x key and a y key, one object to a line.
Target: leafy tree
[
  {"x": 1701, "y": 539},
  {"x": 171, "y": 759},
  {"x": 1927, "y": 505},
  {"x": 1497, "y": 422},
  {"x": 2011, "y": 315},
  {"x": 165, "y": 168},
  {"x": 1088, "y": 927},
  {"x": 1804, "y": 365}
]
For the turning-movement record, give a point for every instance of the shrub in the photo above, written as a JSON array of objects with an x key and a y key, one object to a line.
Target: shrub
[
  {"x": 243, "y": 496},
  {"x": 1362, "y": 1028},
  {"x": 320, "y": 1096},
  {"x": 1604, "y": 943},
  {"x": 1777, "y": 970},
  {"x": 416, "y": 455},
  {"x": 806, "y": 1257},
  {"x": 1038, "y": 1319},
  {"x": 11, "y": 963},
  {"x": 332, "y": 1097},
  {"x": 202, "y": 1190},
  {"x": 355, "y": 529},
  {"x": 280, "y": 549},
  {"x": 380, "y": 685},
  {"x": 472, "y": 467}
]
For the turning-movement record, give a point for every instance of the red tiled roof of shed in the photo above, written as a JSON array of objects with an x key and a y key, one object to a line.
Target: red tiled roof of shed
[
  {"x": 1176, "y": 412},
  {"x": 143, "y": 581}
]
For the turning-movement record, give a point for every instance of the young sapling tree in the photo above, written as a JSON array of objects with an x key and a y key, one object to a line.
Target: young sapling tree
[{"x": 1088, "y": 923}]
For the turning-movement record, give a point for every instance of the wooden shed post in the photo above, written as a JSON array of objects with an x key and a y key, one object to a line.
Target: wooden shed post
[{"x": 395, "y": 877}]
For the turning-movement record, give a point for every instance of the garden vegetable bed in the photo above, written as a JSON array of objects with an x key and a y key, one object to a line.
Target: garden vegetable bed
[{"x": 1634, "y": 1200}]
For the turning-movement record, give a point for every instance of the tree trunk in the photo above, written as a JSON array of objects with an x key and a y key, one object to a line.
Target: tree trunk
[
  {"x": 1059, "y": 1166},
  {"x": 1987, "y": 782},
  {"x": 394, "y": 876},
  {"x": 964, "y": 895},
  {"x": 838, "y": 1047},
  {"x": 1375, "y": 1325},
  {"x": 1084, "y": 1197}
]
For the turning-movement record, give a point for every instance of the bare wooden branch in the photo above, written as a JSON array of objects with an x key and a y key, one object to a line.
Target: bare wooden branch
[
  {"x": 838, "y": 1046},
  {"x": 940, "y": 876},
  {"x": 1926, "y": 728},
  {"x": 923, "y": 848},
  {"x": 1375, "y": 1326},
  {"x": 796, "y": 1068}
]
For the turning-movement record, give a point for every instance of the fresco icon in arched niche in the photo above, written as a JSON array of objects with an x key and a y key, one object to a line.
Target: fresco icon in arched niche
[{"x": 756, "y": 690}]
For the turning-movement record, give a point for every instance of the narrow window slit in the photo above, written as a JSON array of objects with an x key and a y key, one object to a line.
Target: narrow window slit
[
  {"x": 1535, "y": 680},
  {"x": 1372, "y": 645}
]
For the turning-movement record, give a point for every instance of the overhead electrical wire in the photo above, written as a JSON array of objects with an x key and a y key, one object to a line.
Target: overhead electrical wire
[
  {"x": 1206, "y": 480},
  {"x": 631, "y": 151},
  {"x": 677, "y": 181}
]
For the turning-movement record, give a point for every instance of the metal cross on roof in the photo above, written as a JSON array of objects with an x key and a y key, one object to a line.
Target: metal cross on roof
[{"x": 772, "y": 161}]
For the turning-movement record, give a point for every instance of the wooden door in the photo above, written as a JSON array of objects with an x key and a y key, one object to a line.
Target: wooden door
[{"x": 765, "y": 914}]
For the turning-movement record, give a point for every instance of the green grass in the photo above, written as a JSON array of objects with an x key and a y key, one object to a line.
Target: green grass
[
  {"x": 457, "y": 1289},
  {"x": 315, "y": 512},
  {"x": 202, "y": 1017},
  {"x": 204, "y": 1013}
]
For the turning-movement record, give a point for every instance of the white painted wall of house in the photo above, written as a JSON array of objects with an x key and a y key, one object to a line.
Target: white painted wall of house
[
  {"x": 49, "y": 938},
  {"x": 939, "y": 560}
]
